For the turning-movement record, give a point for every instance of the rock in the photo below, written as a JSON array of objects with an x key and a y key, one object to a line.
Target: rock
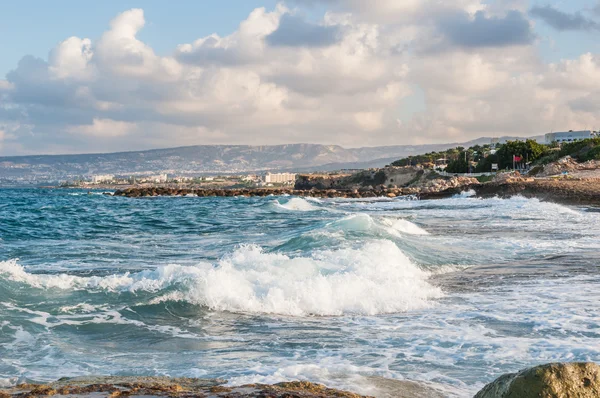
[
  {"x": 554, "y": 380},
  {"x": 125, "y": 386}
]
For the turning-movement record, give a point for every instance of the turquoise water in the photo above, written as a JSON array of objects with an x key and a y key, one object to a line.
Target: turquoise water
[{"x": 450, "y": 293}]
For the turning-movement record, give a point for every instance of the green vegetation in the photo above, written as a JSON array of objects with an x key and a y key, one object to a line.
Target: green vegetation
[
  {"x": 483, "y": 179},
  {"x": 582, "y": 151},
  {"x": 474, "y": 153},
  {"x": 480, "y": 159},
  {"x": 379, "y": 178}
]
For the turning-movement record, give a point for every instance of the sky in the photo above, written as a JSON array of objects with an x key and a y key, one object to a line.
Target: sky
[{"x": 81, "y": 77}]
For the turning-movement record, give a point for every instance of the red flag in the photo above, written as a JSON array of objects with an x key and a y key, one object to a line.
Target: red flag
[{"x": 517, "y": 158}]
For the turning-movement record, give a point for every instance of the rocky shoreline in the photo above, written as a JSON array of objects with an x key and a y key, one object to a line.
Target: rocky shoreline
[
  {"x": 137, "y": 386},
  {"x": 567, "y": 191},
  {"x": 263, "y": 192},
  {"x": 576, "y": 380}
]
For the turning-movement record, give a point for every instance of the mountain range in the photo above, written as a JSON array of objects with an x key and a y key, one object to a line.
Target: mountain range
[{"x": 211, "y": 159}]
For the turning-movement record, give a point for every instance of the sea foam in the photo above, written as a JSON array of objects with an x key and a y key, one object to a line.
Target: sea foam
[
  {"x": 364, "y": 223},
  {"x": 372, "y": 279},
  {"x": 297, "y": 204}
]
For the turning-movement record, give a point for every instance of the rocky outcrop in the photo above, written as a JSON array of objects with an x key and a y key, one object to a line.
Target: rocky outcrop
[
  {"x": 388, "y": 177},
  {"x": 555, "y": 380},
  {"x": 582, "y": 191},
  {"x": 567, "y": 165},
  {"x": 439, "y": 185},
  {"x": 509, "y": 178},
  {"x": 123, "y": 386},
  {"x": 568, "y": 191},
  {"x": 322, "y": 181}
]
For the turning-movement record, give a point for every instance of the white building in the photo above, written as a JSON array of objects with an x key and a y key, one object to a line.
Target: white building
[
  {"x": 160, "y": 178},
  {"x": 99, "y": 179},
  {"x": 569, "y": 136},
  {"x": 280, "y": 178}
]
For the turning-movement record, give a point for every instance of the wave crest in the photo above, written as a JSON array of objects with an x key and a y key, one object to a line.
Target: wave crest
[
  {"x": 373, "y": 279},
  {"x": 297, "y": 204}
]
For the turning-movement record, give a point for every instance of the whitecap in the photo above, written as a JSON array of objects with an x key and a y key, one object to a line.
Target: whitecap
[
  {"x": 404, "y": 226},
  {"x": 297, "y": 204},
  {"x": 372, "y": 279}
]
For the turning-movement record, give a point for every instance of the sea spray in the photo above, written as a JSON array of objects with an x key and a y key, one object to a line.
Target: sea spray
[
  {"x": 296, "y": 204},
  {"x": 375, "y": 278}
]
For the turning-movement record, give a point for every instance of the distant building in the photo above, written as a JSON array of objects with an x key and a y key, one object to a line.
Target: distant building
[
  {"x": 160, "y": 178},
  {"x": 569, "y": 136},
  {"x": 280, "y": 178},
  {"x": 99, "y": 179},
  {"x": 250, "y": 178}
]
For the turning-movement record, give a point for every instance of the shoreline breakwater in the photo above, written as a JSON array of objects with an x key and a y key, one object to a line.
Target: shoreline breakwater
[{"x": 566, "y": 191}]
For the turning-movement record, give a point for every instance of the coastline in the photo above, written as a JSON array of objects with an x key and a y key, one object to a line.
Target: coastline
[
  {"x": 565, "y": 191},
  {"x": 577, "y": 379},
  {"x": 123, "y": 386}
]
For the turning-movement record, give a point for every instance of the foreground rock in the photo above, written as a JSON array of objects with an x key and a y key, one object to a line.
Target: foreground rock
[
  {"x": 123, "y": 386},
  {"x": 555, "y": 380}
]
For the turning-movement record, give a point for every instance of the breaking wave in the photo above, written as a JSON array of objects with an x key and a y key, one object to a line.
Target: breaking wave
[
  {"x": 365, "y": 223},
  {"x": 373, "y": 279},
  {"x": 297, "y": 204}
]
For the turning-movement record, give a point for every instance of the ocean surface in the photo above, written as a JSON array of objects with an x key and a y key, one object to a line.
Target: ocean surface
[{"x": 351, "y": 293}]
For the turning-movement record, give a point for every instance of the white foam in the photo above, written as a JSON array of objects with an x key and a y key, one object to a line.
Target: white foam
[
  {"x": 364, "y": 223},
  {"x": 7, "y": 382},
  {"x": 81, "y": 308},
  {"x": 405, "y": 226},
  {"x": 466, "y": 194},
  {"x": 297, "y": 204},
  {"x": 373, "y": 279},
  {"x": 354, "y": 222},
  {"x": 330, "y": 371}
]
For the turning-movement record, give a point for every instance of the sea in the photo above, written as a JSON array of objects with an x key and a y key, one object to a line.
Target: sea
[{"x": 359, "y": 294}]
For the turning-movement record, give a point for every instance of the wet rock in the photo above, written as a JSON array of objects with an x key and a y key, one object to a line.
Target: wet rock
[
  {"x": 555, "y": 380},
  {"x": 123, "y": 386}
]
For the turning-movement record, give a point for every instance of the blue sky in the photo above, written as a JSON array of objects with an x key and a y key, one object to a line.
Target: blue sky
[
  {"x": 101, "y": 76},
  {"x": 34, "y": 27}
]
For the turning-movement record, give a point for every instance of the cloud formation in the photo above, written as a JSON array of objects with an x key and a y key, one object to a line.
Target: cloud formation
[
  {"x": 294, "y": 31},
  {"x": 462, "y": 30},
  {"x": 560, "y": 20},
  {"x": 395, "y": 72}
]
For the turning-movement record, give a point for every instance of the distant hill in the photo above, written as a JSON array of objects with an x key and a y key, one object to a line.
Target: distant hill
[{"x": 210, "y": 159}]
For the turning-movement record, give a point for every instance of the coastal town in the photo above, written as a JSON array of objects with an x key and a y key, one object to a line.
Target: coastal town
[
  {"x": 477, "y": 161},
  {"x": 566, "y": 166}
]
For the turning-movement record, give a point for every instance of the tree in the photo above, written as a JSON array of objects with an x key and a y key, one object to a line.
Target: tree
[
  {"x": 460, "y": 165},
  {"x": 529, "y": 150}
]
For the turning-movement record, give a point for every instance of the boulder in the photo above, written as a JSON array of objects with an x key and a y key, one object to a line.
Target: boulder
[{"x": 554, "y": 380}]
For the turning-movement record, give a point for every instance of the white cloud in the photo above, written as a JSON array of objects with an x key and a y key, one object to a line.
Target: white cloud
[
  {"x": 369, "y": 121},
  {"x": 389, "y": 73},
  {"x": 120, "y": 51},
  {"x": 70, "y": 59},
  {"x": 104, "y": 128}
]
